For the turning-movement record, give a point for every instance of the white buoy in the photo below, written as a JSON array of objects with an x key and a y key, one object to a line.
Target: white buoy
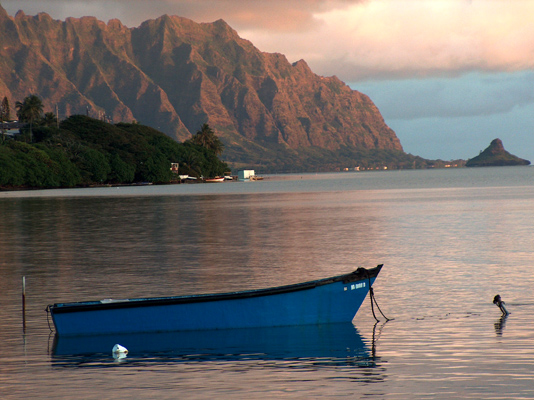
[
  {"x": 118, "y": 349},
  {"x": 119, "y": 352}
]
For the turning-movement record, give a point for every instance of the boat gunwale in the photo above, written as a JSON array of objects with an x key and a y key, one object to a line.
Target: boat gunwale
[{"x": 357, "y": 275}]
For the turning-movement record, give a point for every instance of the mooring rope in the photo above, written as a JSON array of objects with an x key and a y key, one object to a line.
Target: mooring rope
[
  {"x": 373, "y": 300},
  {"x": 376, "y": 337},
  {"x": 47, "y": 309}
]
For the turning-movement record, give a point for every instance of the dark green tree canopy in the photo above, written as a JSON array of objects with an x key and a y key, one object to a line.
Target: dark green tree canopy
[
  {"x": 85, "y": 151},
  {"x": 30, "y": 110},
  {"x": 49, "y": 119},
  {"x": 206, "y": 138},
  {"x": 5, "y": 110}
]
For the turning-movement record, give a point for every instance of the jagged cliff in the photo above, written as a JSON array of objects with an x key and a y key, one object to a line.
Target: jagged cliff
[
  {"x": 174, "y": 75},
  {"x": 495, "y": 156}
]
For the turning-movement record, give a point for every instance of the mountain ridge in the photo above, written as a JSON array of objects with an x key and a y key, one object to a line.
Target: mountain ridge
[{"x": 174, "y": 74}]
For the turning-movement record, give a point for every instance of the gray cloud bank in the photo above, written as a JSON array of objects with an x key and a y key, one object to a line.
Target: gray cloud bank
[{"x": 471, "y": 94}]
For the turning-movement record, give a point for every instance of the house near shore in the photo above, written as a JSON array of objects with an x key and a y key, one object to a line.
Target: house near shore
[
  {"x": 10, "y": 128},
  {"x": 245, "y": 175},
  {"x": 10, "y": 132}
]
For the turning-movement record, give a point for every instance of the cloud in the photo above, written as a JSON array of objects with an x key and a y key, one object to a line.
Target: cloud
[
  {"x": 465, "y": 137},
  {"x": 403, "y": 38},
  {"x": 272, "y": 15},
  {"x": 451, "y": 118},
  {"x": 471, "y": 94},
  {"x": 130, "y": 12},
  {"x": 353, "y": 39}
]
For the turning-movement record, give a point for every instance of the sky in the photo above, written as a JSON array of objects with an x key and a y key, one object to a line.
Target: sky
[{"x": 448, "y": 76}]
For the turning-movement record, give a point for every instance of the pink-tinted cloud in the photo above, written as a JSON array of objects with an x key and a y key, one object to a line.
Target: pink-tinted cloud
[
  {"x": 400, "y": 38},
  {"x": 354, "y": 39}
]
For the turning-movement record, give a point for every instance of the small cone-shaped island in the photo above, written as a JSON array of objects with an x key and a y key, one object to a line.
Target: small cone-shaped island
[{"x": 495, "y": 156}]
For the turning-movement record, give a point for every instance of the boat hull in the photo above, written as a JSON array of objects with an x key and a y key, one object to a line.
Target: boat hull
[{"x": 324, "y": 301}]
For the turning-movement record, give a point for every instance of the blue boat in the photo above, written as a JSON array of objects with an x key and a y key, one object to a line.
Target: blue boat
[{"x": 330, "y": 300}]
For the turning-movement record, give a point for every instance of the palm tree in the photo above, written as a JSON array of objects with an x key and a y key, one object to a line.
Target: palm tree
[
  {"x": 190, "y": 164},
  {"x": 206, "y": 138},
  {"x": 50, "y": 119},
  {"x": 5, "y": 114},
  {"x": 30, "y": 110}
]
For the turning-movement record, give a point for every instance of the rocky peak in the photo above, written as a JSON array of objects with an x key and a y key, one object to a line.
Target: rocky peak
[
  {"x": 496, "y": 147},
  {"x": 220, "y": 27},
  {"x": 494, "y": 156},
  {"x": 20, "y": 14}
]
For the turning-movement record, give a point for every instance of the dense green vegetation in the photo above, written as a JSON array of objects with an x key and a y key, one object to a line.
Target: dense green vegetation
[
  {"x": 83, "y": 151},
  {"x": 314, "y": 159}
]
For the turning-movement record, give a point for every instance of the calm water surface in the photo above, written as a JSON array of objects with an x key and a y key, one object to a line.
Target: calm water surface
[{"x": 450, "y": 240}]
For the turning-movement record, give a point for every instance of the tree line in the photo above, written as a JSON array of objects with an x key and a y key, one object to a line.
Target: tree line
[
  {"x": 81, "y": 151},
  {"x": 29, "y": 111}
]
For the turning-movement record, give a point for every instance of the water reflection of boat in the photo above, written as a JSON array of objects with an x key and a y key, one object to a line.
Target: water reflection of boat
[
  {"x": 330, "y": 300},
  {"x": 329, "y": 343}
]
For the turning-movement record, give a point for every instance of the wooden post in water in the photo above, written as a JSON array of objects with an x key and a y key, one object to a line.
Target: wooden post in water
[
  {"x": 24, "y": 304},
  {"x": 499, "y": 303}
]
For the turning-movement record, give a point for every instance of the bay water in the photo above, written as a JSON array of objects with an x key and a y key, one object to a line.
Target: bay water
[{"x": 449, "y": 239}]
